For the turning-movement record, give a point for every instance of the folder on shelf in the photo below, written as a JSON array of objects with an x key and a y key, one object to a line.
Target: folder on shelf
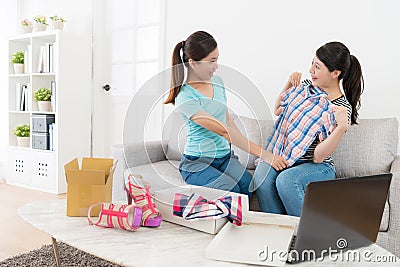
[
  {"x": 50, "y": 58},
  {"x": 26, "y": 61},
  {"x": 41, "y": 59},
  {"x": 51, "y": 136},
  {"x": 55, "y": 134},
  {"x": 18, "y": 94},
  {"x": 45, "y": 63},
  {"x": 45, "y": 58},
  {"x": 29, "y": 97},
  {"x": 25, "y": 97},
  {"x": 22, "y": 102},
  {"x": 53, "y": 95}
]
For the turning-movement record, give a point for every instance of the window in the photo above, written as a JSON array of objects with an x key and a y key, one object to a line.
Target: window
[{"x": 137, "y": 43}]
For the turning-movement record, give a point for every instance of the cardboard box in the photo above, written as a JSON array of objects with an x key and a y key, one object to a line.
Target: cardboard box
[
  {"x": 164, "y": 200},
  {"x": 88, "y": 185}
]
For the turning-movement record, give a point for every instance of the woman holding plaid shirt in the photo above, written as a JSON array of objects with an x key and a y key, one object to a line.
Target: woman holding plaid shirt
[
  {"x": 200, "y": 99},
  {"x": 281, "y": 189}
]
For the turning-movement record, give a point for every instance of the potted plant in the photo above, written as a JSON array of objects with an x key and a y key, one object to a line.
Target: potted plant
[
  {"x": 57, "y": 23},
  {"x": 18, "y": 59},
  {"x": 43, "y": 97},
  {"x": 27, "y": 26},
  {"x": 22, "y": 132},
  {"x": 40, "y": 24}
]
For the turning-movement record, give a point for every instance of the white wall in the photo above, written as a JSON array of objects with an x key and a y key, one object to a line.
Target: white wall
[
  {"x": 267, "y": 40},
  {"x": 78, "y": 13}
]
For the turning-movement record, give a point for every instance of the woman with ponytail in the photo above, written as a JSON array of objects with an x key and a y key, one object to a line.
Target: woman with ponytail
[
  {"x": 282, "y": 191},
  {"x": 201, "y": 101}
]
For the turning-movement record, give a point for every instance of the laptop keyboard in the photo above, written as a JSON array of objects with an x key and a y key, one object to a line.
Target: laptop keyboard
[{"x": 291, "y": 246}]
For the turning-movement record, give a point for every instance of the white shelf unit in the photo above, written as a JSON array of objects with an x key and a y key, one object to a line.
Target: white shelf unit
[{"x": 38, "y": 169}]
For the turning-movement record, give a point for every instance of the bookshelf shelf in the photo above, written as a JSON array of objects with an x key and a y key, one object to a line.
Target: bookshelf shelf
[
  {"x": 43, "y": 74},
  {"x": 43, "y": 151},
  {"x": 18, "y": 75},
  {"x": 59, "y": 135},
  {"x": 20, "y": 148},
  {"x": 18, "y": 112},
  {"x": 43, "y": 112}
]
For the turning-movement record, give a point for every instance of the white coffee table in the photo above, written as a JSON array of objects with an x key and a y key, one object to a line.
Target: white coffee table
[{"x": 166, "y": 245}]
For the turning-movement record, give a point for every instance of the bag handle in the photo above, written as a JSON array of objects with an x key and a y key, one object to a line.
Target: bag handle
[{"x": 89, "y": 210}]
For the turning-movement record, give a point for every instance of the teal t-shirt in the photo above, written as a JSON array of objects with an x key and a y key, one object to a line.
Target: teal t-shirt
[{"x": 202, "y": 142}]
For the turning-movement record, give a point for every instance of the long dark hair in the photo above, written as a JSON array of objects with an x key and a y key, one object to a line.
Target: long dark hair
[
  {"x": 197, "y": 46},
  {"x": 336, "y": 56}
]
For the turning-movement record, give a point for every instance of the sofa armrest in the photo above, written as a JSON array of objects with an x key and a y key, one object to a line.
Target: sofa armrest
[
  {"x": 395, "y": 165},
  {"x": 394, "y": 198},
  {"x": 132, "y": 155},
  {"x": 394, "y": 193},
  {"x": 139, "y": 153}
]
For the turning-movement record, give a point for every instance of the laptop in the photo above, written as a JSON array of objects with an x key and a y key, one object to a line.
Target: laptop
[{"x": 338, "y": 214}]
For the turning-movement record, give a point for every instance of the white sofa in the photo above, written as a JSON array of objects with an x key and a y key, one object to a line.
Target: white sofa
[{"x": 366, "y": 149}]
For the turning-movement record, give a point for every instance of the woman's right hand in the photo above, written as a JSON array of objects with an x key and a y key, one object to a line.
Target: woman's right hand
[
  {"x": 294, "y": 79},
  {"x": 277, "y": 162}
]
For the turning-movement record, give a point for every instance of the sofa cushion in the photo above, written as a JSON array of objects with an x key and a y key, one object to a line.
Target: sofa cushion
[
  {"x": 367, "y": 148},
  {"x": 174, "y": 133},
  {"x": 256, "y": 131},
  {"x": 251, "y": 129}
]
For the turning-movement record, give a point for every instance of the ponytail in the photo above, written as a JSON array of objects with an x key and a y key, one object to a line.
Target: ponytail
[
  {"x": 353, "y": 86},
  {"x": 177, "y": 74}
]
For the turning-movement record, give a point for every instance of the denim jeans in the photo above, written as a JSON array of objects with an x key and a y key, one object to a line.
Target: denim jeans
[
  {"x": 224, "y": 173},
  {"x": 282, "y": 192}
]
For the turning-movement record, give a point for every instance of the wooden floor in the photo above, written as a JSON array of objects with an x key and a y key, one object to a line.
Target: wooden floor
[{"x": 16, "y": 235}]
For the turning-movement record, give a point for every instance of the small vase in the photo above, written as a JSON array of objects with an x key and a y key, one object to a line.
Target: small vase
[
  {"x": 56, "y": 25},
  {"x": 18, "y": 68},
  {"x": 27, "y": 29},
  {"x": 39, "y": 27},
  {"x": 23, "y": 141},
  {"x": 44, "y": 106}
]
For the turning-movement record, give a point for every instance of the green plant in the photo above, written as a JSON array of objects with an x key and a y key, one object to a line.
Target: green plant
[
  {"x": 57, "y": 18},
  {"x": 42, "y": 94},
  {"x": 26, "y": 23},
  {"x": 18, "y": 57},
  {"x": 22, "y": 130},
  {"x": 40, "y": 19}
]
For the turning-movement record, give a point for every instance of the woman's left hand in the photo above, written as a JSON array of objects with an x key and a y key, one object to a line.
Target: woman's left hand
[{"x": 340, "y": 113}]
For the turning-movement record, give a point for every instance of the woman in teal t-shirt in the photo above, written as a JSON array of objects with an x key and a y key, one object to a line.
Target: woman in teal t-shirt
[{"x": 201, "y": 101}]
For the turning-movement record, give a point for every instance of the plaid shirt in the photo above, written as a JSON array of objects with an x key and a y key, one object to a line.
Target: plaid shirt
[
  {"x": 195, "y": 207},
  {"x": 306, "y": 113}
]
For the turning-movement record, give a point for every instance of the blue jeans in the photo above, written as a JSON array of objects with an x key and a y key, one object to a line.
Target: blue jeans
[
  {"x": 224, "y": 173},
  {"x": 282, "y": 192}
]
